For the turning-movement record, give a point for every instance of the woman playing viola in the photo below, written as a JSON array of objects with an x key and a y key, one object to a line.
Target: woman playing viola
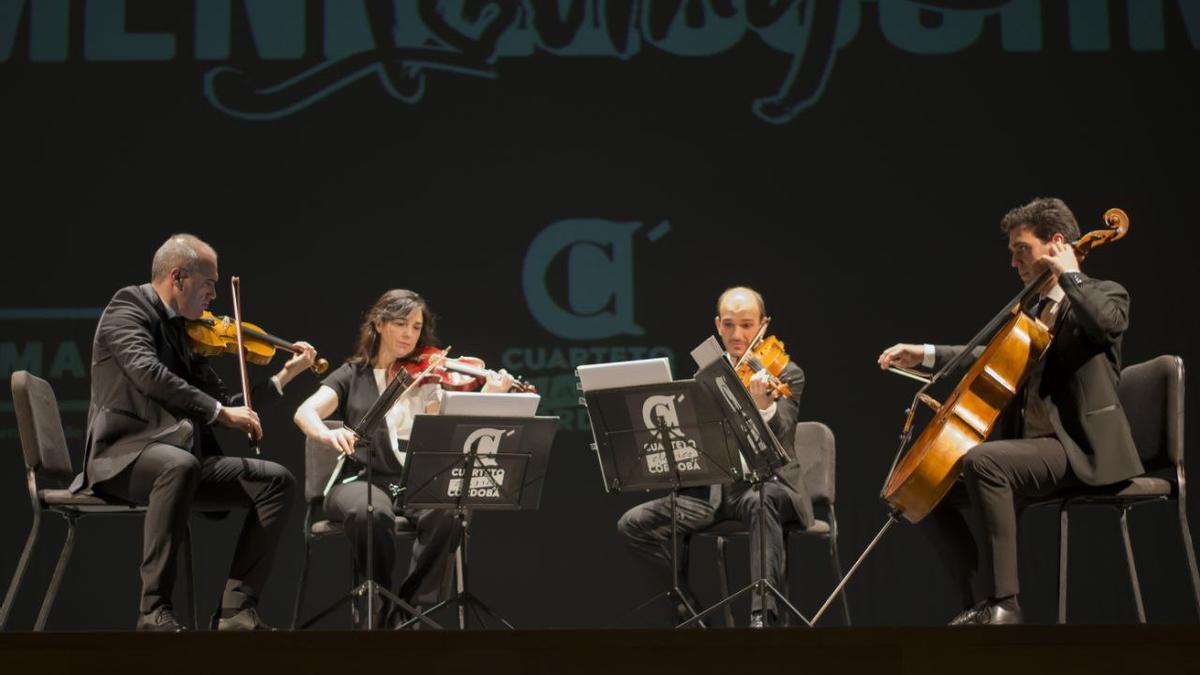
[{"x": 398, "y": 327}]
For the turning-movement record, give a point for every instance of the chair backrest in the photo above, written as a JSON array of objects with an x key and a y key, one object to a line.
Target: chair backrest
[
  {"x": 818, "y": 460},
  {"x": 1152, "y": 395},
  {"x": 40, "y": 426},
  {"x": 319, "y": 460}
]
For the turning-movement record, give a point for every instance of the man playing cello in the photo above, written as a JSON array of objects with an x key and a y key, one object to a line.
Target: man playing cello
[{"x": 1065, "y": 426}]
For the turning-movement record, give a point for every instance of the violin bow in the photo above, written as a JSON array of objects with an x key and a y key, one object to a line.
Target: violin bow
[
  {"x": 753, "y": 343},
  {"x": 235, "y": 285}
]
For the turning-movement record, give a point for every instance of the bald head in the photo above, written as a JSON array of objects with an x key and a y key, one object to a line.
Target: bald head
[
  {"x": 741, "y": 298},
  {"x": 180, "y": 251},
  {"x": 184, "y": 274}
]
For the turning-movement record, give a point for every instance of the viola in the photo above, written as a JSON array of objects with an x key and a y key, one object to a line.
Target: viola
[
  {"x": 767, "y": 354},
  {"x": 211, "y": 335}
]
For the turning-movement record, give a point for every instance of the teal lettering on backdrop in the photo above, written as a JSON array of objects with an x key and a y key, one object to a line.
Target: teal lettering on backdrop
[
  {"x": 403, "y": 44},
  {"x": 105, "y": 39},
  {"x": 15, "y": 356},
  {"x": 276, "y": 27}
]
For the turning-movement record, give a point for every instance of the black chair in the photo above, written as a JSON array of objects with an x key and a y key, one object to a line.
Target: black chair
[
  {"x": 1151, "y": 394},
  {"x": 817, "y": 453},
  {"x": 48, "y": 462},
  {"x": 319, "y": 463}
]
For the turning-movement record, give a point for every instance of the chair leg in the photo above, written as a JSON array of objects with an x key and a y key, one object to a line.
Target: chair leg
[
  {"x": 723, "y": 579},
  {"x": 1188, "y": 548},
  {"x": 26, "y": 554},
  {"x": 1133, "y": 575},
  {"x": 1063, "y": 531},
  {"x": 303, "y": 573},
  {"x": 784, "y": 618},
  {"x": 56, "y": 580},
  {"x": 189, "y": 574},
  {"x": 836, "y": 561}
]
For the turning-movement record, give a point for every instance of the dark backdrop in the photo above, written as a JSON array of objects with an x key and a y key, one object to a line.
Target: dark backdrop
[{"x": 579, "y": 187}]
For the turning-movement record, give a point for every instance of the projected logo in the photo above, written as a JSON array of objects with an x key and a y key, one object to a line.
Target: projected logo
[
  {"x": 263, "y": 66},
  {"x": 487, "y": 477},
  {"x": 598, "y": 255},
  {"x": 578, "y": 278},
  {"x": 659, "y": 413}
]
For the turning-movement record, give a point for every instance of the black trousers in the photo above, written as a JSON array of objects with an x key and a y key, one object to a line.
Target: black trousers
[
  {"x": 438, "y": 534},
  {"x": 646, "y": 529},
  {"x": 172, "y": 482},
  {"x": 996, "y": 477}
]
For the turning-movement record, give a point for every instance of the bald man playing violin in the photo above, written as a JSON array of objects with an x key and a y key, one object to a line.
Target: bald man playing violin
[
  {"x": 646, "y": 528},
  {"x": 1064, "y": 426},
  {"x": 150, "y": 441}
]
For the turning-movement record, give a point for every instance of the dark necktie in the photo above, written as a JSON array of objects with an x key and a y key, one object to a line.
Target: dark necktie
[{"x": 1042, "y": 311}]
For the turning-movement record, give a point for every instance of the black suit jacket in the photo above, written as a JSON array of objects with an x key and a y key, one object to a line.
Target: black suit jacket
[
  {"x": 147, "y": 387},
  {"x": 1079, "y": 383},
  {"x": 783, "y": 425}
]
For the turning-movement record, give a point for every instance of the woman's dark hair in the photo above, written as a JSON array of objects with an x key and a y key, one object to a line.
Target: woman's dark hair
[{"x": 394, "y": 304}]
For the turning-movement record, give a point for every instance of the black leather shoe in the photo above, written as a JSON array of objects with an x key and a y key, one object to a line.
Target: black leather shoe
[
  {"x": 162, "y": 620},
  {"x": 998, "y": 615},
  {"x": 967, "y": 616},
  {"x": 247, "y": 619}
]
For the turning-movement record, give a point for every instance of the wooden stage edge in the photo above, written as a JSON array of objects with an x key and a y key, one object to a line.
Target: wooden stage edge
[{"x": 1012, "y": 650}]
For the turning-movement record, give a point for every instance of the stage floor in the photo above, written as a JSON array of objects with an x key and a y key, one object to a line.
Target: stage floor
[{"x": 1018, "y": 650}]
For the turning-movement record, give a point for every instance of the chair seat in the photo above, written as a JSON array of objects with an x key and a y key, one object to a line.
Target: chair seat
[
  {"x": 735, "y": 528},
  {"x": 65, "y": 500},
  {"x": 323, "y": 528},
  {"x": 1141, "y": 487}
]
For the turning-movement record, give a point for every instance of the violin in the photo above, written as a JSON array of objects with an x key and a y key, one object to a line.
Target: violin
[
  {"x": 464, "y": 373},
  {"x": 211, "y": 335},
  {"x": 766, "y": 353},
  {"x": 415, "y": 366}
]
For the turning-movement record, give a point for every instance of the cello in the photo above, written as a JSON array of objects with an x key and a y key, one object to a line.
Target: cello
[{"x": 1006, "y": 351}]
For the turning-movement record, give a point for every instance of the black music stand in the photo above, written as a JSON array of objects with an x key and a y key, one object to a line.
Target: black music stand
[
  {"x": 634, "y": 426},
  {"x": 505, "y": 459},
  {"x": 760, "y": 450}
]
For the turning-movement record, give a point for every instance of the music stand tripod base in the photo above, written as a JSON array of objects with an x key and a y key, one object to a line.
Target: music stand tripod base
[{"x": 760, "y": 585}]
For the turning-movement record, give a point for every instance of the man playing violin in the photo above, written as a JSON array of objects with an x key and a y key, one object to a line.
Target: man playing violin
[
  {"x": 150, "y": 438},
  {"x": 646, "y": 528},
  {"x": 1065, "y": 425},
  {"x": 397, "y": 330}
]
